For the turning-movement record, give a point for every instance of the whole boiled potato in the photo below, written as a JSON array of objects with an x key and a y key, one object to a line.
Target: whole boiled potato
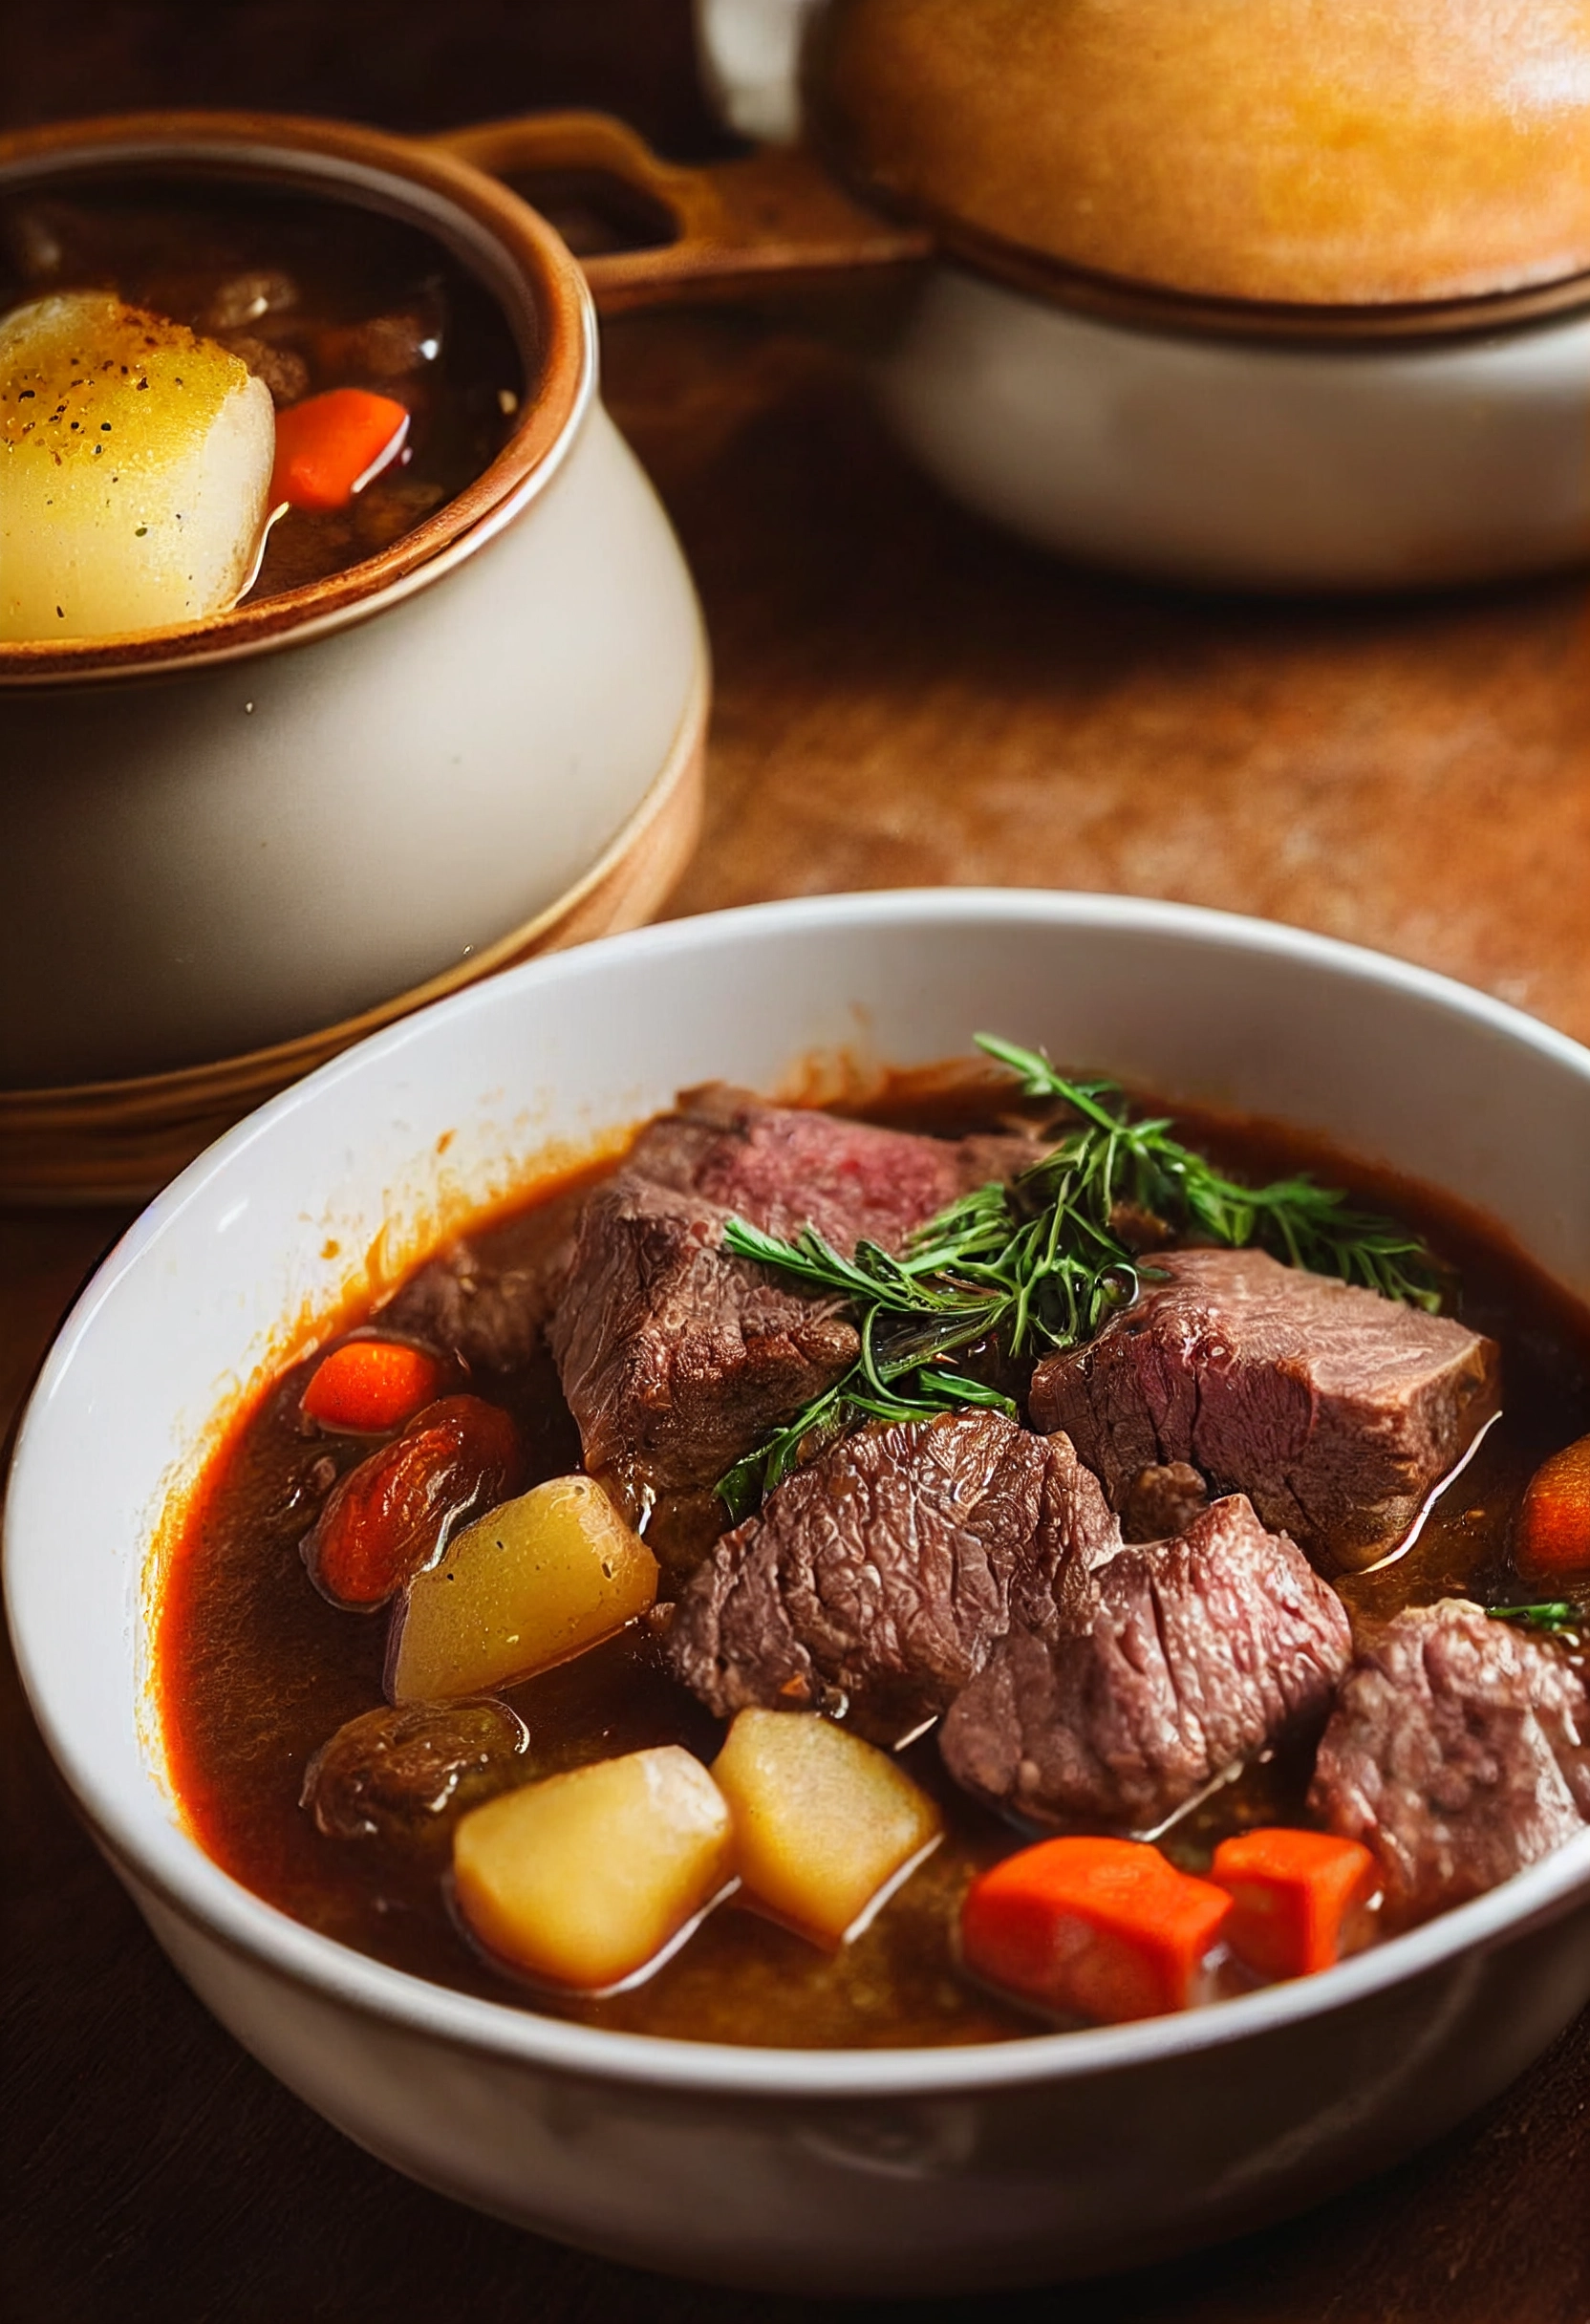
[
  {"x": 135, "y": 470},
  {"x": 824, "y": 1822},
  {"x": 583, "y": 1880}
]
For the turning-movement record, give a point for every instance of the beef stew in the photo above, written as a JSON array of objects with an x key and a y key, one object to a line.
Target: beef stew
[{"x": 952, "y": 1589}]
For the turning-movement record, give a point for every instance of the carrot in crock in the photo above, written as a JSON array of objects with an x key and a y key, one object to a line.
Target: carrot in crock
[
  {"x": 329, "y": 446},
  {"x": 1101, "y": 1928},
  {"x": 1551, "y": 1535},
  {"x": 366, "y": 1386},
  {"x": 1300, "y": 1899}
]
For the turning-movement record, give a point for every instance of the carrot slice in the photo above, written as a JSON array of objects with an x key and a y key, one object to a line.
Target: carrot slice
[
  {"x": 1101, "y": 1928},
  {"x": 388, "y": 1516},
  {"x": 366, "y": 1386},
  {"x": 1300, "y": 1899},
  {"x": 1552, "y": 1533},
  {"x": 329, "y": 446}
]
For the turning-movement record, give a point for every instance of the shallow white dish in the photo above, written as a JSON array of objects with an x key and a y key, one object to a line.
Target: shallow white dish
[{"x": 842, "y": 2172}]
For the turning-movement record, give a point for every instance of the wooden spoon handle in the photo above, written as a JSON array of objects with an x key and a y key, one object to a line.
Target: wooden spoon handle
[{"x": 722, "y": 229}]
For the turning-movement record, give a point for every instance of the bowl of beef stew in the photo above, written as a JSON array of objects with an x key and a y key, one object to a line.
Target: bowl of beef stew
[
  {"x": 345, "y": 650},
  {"x": 807, "y": 1665}
]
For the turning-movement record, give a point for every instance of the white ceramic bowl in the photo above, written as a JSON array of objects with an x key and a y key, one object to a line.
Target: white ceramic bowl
[{"x": 842, "y": 2172}]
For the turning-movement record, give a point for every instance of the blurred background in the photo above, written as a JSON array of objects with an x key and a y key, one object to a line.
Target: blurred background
[{"x": 396, "y": 62}]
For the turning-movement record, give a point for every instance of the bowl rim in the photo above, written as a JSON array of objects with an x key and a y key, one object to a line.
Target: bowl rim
[
  {"x": 508, "y": 249},
  {"x": 166, "y": 1860}
]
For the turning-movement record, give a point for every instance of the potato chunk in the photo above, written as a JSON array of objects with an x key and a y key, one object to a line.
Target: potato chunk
[
  {"x": 135, "y": 468},
  {"x": 538, "y": 1579},
  {"x": 584, "y": 1879},
  {"x": 823, "y": 1822}
]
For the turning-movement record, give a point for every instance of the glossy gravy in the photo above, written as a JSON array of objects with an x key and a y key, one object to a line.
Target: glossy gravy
[{"x": 256, "y": 1672}]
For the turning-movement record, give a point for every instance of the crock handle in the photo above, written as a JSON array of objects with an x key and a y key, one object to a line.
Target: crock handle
[{"x": 775, "y": 217}]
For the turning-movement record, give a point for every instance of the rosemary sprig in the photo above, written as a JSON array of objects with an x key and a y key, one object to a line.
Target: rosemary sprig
[
  {"x": 1554, "y": 1616},
  {"x": 1041, "y": 1263},
  {"x": 1295, "y": 1220}
]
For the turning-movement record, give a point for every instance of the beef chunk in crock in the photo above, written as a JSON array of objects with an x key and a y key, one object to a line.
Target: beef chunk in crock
[
  {"x": 676, "y": 1357},
  {"x": 882, "y": 1574},
  {"x": 1334, "y": 1409},
  {"x": 1458, "y": 1751},
  {"x": 1178, "y": 1659}
]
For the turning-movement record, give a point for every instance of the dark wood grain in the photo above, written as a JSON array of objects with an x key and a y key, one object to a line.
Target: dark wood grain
[{"x": 903, "y": 695}]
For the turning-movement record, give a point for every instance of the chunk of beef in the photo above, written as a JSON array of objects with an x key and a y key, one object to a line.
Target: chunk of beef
[
  {"x": 1334, "y": 1409},
  {"x": 1181, "y": 1659},
  {"x": 884, "y": 1572},
  {"x": 284, "y": 371},
  {"x": 676, "y": 1356},
  {"x": 493, "y": 1317},
  {"x": 786, "y": 1166},
  {"x": 1458, "y": 1751}
]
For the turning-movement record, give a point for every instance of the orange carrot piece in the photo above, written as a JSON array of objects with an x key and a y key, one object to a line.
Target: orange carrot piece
[
  {"x": 1552, "y": 1534},
  {"x": 1101, "y": 1928},
  {"x": 385, "y": 1519},
  {"x": 329, "y": 446},
  {"x": 366, "y": 1386},
  {"x": 1300, "y": 1899}
]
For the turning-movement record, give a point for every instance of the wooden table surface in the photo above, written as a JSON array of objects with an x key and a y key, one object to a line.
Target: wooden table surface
[{"x": 903, "y": 697}]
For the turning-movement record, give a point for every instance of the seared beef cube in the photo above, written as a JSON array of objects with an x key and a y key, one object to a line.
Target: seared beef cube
[
  {"x": 676, "y": 1356},
  {"x": 1182, "y": 1659},
  {"x": 1334, "y": 1409},
  {"x": 881, "y": 1575},
  {"x": 493, "y": 1317},
  {"x": 1458, "y": 1751},
  {"x": 786, "y": 1166}
]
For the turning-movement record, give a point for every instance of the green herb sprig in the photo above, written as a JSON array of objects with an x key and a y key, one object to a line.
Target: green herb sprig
[
  {"x": 1295, "y": 1220},
  {"x": 1554, "y": 1616},
  {"x": 1042, "y": 1263}
]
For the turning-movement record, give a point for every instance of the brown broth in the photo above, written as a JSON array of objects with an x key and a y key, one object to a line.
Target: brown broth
[
  {"x": 257, "y": 1671},
  {"x": 370, "y": 295}
]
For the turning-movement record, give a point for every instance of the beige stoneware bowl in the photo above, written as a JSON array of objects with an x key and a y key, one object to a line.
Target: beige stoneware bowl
[
  {"x": 845, "y": 2172},
  {"x": 255, "y": 838}
]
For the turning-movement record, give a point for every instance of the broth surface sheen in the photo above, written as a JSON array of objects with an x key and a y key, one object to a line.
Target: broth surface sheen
[{"x": 256, "y": 1671}]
